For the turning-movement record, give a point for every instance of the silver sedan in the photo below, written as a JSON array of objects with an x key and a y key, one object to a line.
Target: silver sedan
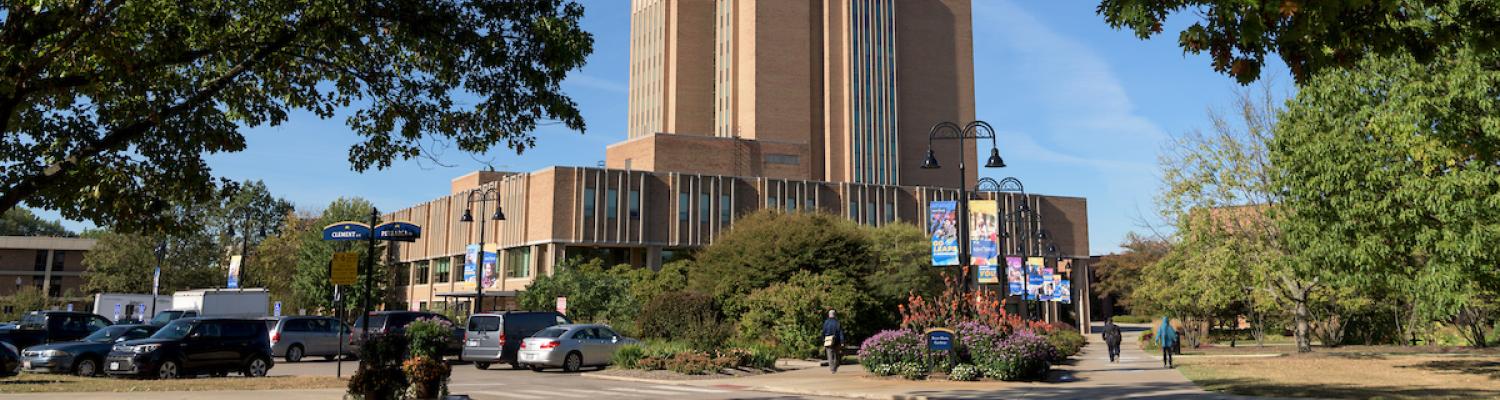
[{"x": 571, "y": 347}]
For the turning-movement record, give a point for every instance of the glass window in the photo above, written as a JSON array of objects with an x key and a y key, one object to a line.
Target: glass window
[
  {"x": 484, "y": 324},
  {"x": 588, "y": 203},
  {"x": 518, "y": 262},
  {"x": 725, "y": 209},
  {"x": 890, "y": 212},
  {"x": 704, "y": 208},
  {"x": 853, "y": 209},
  {"x": 441, "y": 272},
  {"x": 612, "y": 203},
  {"x": 57, "y": 259},
  {"x": 811, "y": 205},
  {"x": 419, "y": 273},
  {"x": 770, "y": 200},
  {"x": 635, "y": 204},
  {"x": 870, "y": 213},
  {"x": 550, "y": 333},
  {"x": 682, "y": 207}
]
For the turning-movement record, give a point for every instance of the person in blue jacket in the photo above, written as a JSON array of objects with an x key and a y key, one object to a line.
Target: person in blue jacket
[
  {"x": 1166, "y": 337},
  {"x": 833, "y": 340}
]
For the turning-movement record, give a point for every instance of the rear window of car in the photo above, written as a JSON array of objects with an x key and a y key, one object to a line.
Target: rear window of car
[
  {"x": 550, "y": 333},
  {"x": 484, "y": 324},
  {"x": 375, "y": 320}
]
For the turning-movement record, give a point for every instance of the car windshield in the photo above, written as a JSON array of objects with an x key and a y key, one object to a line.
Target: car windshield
[
  {"x": 165, "y": 317},
  {"x": 553, "y": 332},
  {"x": 176, "y": 330},
  {"x": 107, "y": 334},
  {"x": 33, "y": 321},
  {"x": 375, "y": 320}
]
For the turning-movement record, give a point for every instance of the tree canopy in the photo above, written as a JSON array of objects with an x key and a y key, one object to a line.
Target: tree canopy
[
  {"x": 1312, "y": 36},
  {"x": 108, "y": 107},
  {"x": 22, "y": 222}
]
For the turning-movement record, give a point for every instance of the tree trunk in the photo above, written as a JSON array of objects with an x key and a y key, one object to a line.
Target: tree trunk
[{"x": 1304, "y": 345}]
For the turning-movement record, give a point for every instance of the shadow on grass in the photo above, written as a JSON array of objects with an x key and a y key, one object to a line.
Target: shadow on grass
[
  {"x": 1475, "y": 367},
  {"x": 1357, "y": 356},
  {"x": 1261, "y": 388}
]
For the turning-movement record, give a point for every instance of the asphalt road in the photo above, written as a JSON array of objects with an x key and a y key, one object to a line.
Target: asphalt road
[{"x": 502, "y": 383}]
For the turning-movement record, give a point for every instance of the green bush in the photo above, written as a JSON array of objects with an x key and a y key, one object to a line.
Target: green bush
[
  {"x": 1021, "y": 356},
  {"x": 683, "y": 315},
  {"x": 911, "y": 370},
  {"x": 790, "y": 314},
  {"x": 1068, "y": 342},
  {"x": 629, "y": 356},
  {"x": 964, "y": 372},
  {"x": 379, "y": 374},
  {"x": 883, "y": 370},
  {"x": 1134, "y": 319},
  {"x": 762, "y": 357},
  {"x": 428, "y": 337},
  {"x": 1148, "y": 342}
]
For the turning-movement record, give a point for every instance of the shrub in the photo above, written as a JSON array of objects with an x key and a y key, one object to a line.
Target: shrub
[
  {"x": 651, "y": 363},
  {"x": 790, "y": 314},
  {"x": 1148, "y": 341},
  {"x": 911, "y": 370},
  {"x": 977, "y": 340},
  {"x": 692, "y": 363},
  {"x": 725, "y": 361},
  {"x": 1022, "y": 356},
  {"x": 629, "y": 356},
  {"x": 1068, "y": 342},
  {"x": 428, "y": 337},
  {"x": 952, "y": 307},
  {"x": 683, "y": 315},
  {"x": 379, "y": 374},
  {"x": 883, "y": 370},
  {"x": 761, "y": 357},
  {"x": 891, "y": 347},
  {"x": 964, "y": 372}
]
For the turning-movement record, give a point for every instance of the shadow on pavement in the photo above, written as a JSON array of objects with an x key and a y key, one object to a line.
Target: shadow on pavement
[
  {"x": 1252, "y": 387},
  {"x": 1153, "y": 391}
]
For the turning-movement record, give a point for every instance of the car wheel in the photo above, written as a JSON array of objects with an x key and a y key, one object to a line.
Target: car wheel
[
  {"x": 573, "y": 362},
  {"x": 536, "y": 368},
  {"x": 330, "y": 358},
  {"x": 257, "y": 367},
  {"x": 481, "y": 365},
  {"x": 219, "y": 374},
  {"x": 167, "y": 370},
  {"x": 515, "y": 366},
  {"x": 86, "y": 367},
  {"x": 294, "y": 353}
]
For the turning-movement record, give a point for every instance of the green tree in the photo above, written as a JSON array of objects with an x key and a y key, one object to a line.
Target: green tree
[
  {"x": 1391, "y": 171},
  {"x": 248, "y": 216},
  {"x": 1119, "y": 274},
  {"x": 592, "y": 291},
  {"x": 789, "y": 314},
  {"x": 275, "y": 260},
  {"x": 902, "y": 256},
  {"x": 106, "y": 108},
  {"x": 22, "y": 222},
  {"x": 768, "y": 247},
  {"x": 124, "y": 262},
  {"x": 1312, "y": 36},
  {"x": 314, "y": 256}
]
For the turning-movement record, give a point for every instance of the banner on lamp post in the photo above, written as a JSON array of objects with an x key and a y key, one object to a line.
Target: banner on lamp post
[
  {"x": 1014, "y": 275},
  {"x": 234, "y": 272},
  {"x": 942, "y": 226},
  {"x": 984, "y": 234}
]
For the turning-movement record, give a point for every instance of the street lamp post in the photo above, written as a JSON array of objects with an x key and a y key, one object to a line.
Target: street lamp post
[
  {"x": 973, "y": 131},
  {"x": 1012, "y": 185},
  {"x": 486, "y": 195},
  {"x": 245, "y": 248}
]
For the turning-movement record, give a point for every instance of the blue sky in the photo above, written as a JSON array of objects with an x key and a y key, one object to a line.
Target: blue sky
[{"x": 1081, "y": 110}]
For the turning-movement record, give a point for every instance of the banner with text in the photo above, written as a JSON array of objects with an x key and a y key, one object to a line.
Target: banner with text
[
  {"x": 234, "y": 272},
  {"x": 984, "y": 234},
  {"x": 1014, "y": 275},
  {"x": 1034, "y": 277},
  {"x": 943, "y": 228}
]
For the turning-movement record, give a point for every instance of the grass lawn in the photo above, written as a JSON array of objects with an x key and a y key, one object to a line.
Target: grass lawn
[
  {"x": 40, "y": 383},
  {"x": 1350, "y": 375}
]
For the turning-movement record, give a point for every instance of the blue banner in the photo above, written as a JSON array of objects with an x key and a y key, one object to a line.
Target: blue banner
[
  {"x": 346, "y": 230},
  {"x": 942, "y": 224},
  {"x": 490, "y": 261},
  {"x": 398, "y": 231},
  {"x": 471, "y": 263}
]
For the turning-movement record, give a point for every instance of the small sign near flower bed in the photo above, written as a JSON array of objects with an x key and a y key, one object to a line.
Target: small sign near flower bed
[{"x": 676, "y": 361}]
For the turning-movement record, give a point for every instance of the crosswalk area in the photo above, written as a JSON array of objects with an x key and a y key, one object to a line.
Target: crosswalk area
[{"x": 529, "y": 392}]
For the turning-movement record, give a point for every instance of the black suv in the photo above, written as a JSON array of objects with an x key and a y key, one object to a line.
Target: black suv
[{"x": 192, "y": 346}]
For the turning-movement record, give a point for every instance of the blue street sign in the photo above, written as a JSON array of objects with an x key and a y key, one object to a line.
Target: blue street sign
[
  {"x": 346, "y": 230},
  {"x": 939, "y": 339},
  {"x": 398, "y": 231}
]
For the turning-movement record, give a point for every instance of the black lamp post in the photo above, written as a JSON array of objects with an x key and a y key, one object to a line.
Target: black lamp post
[
  {"x": 486, "y": 195},
  {"x": 973, "y": 131},
  {"x": 245, "y": 247}
]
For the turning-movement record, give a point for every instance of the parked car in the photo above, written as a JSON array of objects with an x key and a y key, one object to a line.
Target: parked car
[
  {"x": 571, "y": 347},
  {"x": 83, "y": 357},
  {"x": 495, "y": 338},
  {"x": 193, "y": 346},
  {"x": 10, "y": 360},
  {"x": 394, "y": 322},
  {"x": 164, "y": 317},
  {"x": 295, "y": 337},
  {"x": 42, "y": 327}
]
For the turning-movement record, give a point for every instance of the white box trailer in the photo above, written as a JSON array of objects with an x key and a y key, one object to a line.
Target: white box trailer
[
  {"x": 235, "y": 303},
  {"x": 117, "y": 306}
]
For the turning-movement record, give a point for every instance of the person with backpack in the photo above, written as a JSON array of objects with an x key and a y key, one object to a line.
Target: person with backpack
[
  {"x": 1112, "y": 339},
  {"x": 1166, "y": 337}
]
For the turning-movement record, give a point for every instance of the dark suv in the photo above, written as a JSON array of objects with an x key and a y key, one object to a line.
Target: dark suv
[
  {"x": 192, "y": 346},
  {"x": 382, "y": 322}
]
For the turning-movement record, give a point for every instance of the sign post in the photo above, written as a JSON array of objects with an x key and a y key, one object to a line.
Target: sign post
[
  {"x": 941, "y": 340},
  {"x": 397, "y": 231},
  {"x": 562, "y": 305}
]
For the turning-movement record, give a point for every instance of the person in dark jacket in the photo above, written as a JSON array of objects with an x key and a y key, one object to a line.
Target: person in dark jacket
[
  {"x": 1112, "y": 339},
  {"x": 833, "y": 340}
]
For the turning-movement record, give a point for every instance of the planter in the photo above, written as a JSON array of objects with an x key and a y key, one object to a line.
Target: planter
[{"x": 427, "y": 377}]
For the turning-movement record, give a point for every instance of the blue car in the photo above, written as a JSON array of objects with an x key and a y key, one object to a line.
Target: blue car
[{"x": 84, "y": 357}]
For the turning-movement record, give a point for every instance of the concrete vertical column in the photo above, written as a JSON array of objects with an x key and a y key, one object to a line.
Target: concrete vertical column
[
  {"x": 47, "y": 274},
  {"x": 653, "y": 257}
]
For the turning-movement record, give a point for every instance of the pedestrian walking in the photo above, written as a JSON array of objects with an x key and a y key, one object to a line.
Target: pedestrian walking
[
  {"x": 1112, "y": 339},
  {"x": 1166, "y": 337},
  {"x": 833, "y": 340}
]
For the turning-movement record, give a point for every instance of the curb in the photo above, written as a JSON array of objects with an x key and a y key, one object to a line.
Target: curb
[{"x": 752, "y": 388}]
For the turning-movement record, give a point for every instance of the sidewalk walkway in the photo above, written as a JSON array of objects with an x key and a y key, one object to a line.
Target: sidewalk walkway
[
  {"x": 1091, "y": 376},
  {"x": 286, "y": 394}
]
